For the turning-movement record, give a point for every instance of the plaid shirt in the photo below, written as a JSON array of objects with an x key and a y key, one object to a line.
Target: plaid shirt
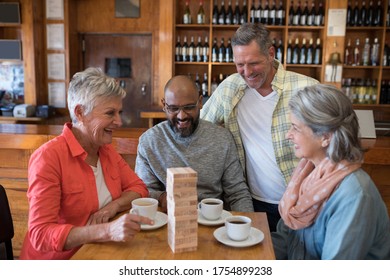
[{"x": 221, "y": 108}]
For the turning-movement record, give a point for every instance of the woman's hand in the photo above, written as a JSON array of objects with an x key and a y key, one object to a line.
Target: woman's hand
[
  {"x": 125, "y": 227},
  {"x": 104, "y": 215}
]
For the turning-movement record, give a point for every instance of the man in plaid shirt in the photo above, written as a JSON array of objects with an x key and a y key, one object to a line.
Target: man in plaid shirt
[{"x": 253, "y": 105}]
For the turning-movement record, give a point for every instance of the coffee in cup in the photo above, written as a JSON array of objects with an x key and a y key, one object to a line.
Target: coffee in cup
[
  {"x": 146, "y": 207},
  {"x": 211, "y": 208},
  {"x": 238, "y": 227}
]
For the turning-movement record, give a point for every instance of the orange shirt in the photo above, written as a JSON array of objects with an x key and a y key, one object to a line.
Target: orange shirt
[{"x": 62, "y": 192}]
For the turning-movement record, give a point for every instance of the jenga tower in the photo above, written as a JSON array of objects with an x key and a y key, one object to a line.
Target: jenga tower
[{"x": 182, "y": 202}]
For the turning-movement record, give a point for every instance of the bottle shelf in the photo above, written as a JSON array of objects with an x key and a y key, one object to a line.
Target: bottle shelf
[
  {"x": 281, "y": 33},
  {"x": 304, "y": 65},
  {"x": 362, "y": 67},
  {"x": 303, "y": 28},
  {"x": 193, "y": 26},
  {"x": 191, "y": 63}
]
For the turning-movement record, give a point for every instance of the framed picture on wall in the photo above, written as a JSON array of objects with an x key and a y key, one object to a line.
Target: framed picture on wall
[{"x": 127, "y": 8}]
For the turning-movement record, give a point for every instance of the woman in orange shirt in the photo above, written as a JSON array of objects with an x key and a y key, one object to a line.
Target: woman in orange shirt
[{"x": 77, "y": 181}]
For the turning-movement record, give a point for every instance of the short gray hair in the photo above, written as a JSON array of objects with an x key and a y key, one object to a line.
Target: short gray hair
[
  {"x": 249, "y": 32},
  {"x": 326, "y": 109},
  {"x": 89, "y": 86}
]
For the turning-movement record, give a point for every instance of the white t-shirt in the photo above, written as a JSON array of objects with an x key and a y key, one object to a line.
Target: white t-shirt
[
  {"x": 104, "y": 195},
  {"x": 254, "y": 117}
]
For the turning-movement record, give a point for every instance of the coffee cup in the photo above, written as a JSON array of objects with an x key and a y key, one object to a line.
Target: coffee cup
[
  {"x": 146, "y": 207},
  {"x": 238, "y": 227},
  {"x": 211, "y": 208}
]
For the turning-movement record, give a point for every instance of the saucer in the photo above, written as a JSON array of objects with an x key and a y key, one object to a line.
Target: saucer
[
  {"x": 160, "y": 220},
  {"x": 255, "y": 237},
  {"x": 203, "y": 221}
]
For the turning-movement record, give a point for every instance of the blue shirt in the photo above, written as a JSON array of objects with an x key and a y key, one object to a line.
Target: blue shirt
[{"x": 353, "y": 224}]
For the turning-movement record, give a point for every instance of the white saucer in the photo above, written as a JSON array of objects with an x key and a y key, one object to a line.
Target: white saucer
[
  {"x": 160, "y": 220},
  {"x": 203, "y": 221},
  {"x": 255, "y": 237}
]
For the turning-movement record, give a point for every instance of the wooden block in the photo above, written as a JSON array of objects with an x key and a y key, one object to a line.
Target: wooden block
[
  {"x": 183, "y": 232},
  {"x": 182, "y": 202},
  {"x": 183, "y": 250},
  {"x": 181, "y": 172},
  {"x": 189, "y": 211}
]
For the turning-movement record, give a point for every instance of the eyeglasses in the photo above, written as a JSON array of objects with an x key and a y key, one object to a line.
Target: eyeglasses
[{"x": 173, "y": 109}]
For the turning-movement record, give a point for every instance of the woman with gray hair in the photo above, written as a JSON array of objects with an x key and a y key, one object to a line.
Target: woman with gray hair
[
  {"x": 77, "y": 181},
  {"x": 331, "y": 208}
]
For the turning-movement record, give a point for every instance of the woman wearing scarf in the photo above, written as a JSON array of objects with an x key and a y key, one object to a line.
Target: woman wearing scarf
[{"x": 331, "y": 208}]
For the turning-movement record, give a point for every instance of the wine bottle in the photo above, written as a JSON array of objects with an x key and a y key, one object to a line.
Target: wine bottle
[
  {"x": 265, "y": 15},
  {"x": 229, "y": 14},
  {"x": 318, "y": 52},
  {"x": 222, "y": 13},
  {"x": 201, "y": 18},
  {"x": 197, "y": 83},
  {"x": 279, "y": 51},
  {"x": 355, "y": 14},
  {"x": 356, "y": 53},
  {"x": 205, "y": 85},
  {"x": 215, "y": 13},
  {"x": 297, "y": 14},
  {"x": 222, "y": 51},
  {"x": 348, "y": 55},
  {"x": 295, "y": 52},
  {"x": 291, "y": 13},
  {"x": 304, "y": 15},
  {"x": 198, "y": 50},
  {"x": 220, "y": 78},
  {"x": 311, "y": 16},
  {"x": 229, "y": 52},
  {"x": 319, "y": 18},
  {"x": 370, "y": 15},
  {"x": 303, "y": 52},
  {"x": 378, "y": 14},
  {"x": 388, "y": 14},
  {"x": 191, "y": 50},
  {"x": 259, "y": 13},
  {"x": 383, "y": 91},
  {"x": 310, "y": 52},
  {"x": 214, "y": 85},
  {"x": 363, "y": 14},
  {"x": 215, "y": 51},
  {"x": 346, "y": 87},
  {"x": 384, "y": 57},
  {"x": 375, "y": 53},
  {"x": 187, "y": 14},
  {"x": 244, "y": 13},
  {"x": 178, "y": 50},
  {"x": 237, "y": 13},
  {"x": 349, "y": 14},
  {"x": 272, "y": 14},
  {"x": 205, "y": 50},
  {"x": 366, "y": 52},
  {"x": 279, "y": 18},
  {"x": 289, "y": 52},
  {"x": 184, "y": 50},
  {"x": 253, "y": 13}
]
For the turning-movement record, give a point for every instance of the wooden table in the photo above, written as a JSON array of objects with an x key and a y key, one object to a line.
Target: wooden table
[{"x": 153, "y": 245}]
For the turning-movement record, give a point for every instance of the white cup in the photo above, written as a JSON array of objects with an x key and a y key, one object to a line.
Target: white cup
[
  {"x": 238, "y": 227},
  {"x": 211, "y": 208},
  {"x": 146, "y": 207}
]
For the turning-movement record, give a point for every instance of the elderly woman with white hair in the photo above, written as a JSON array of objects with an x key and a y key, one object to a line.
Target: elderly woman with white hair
[
  {"x": 77, "y": 181},
  {"x": 331, "y": 208}
]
